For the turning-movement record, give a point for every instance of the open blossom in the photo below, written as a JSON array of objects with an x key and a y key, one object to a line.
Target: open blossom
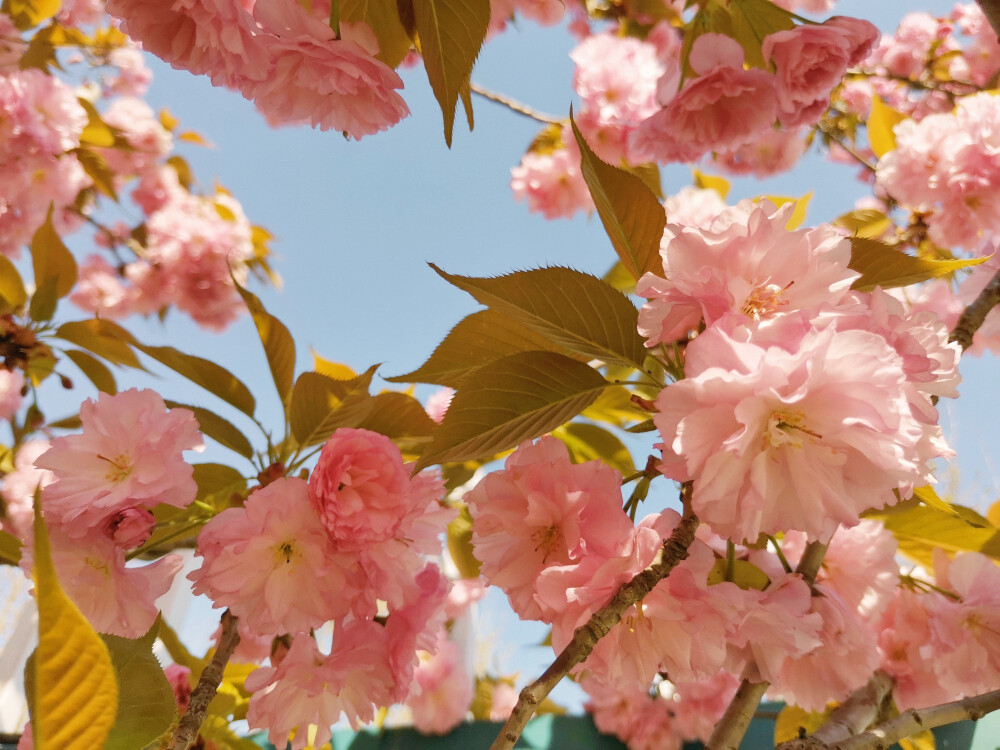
[
  {"x": 128, "y": 454},
  {"x": 18, "y": 488},
  {"x": 258, "y": 559},
  {"x": 542, "y": 511},
  {"x": 642, "y": 721},
  {"x": 777, "y": 440},
  {"x": 11, "y": 383},
  {"x": 442, "y": 689},
  {"x": 552, "y": 182}
]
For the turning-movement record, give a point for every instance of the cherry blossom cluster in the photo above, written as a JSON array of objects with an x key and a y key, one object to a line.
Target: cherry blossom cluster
[
  {"x": 356, "y": 536},
  {"x": 98, "y": 491},
  {"x": 286, "y": 59}
]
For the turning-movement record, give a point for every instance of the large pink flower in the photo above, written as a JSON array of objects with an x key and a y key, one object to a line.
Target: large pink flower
[
  {"x": 128, "y": 454},
  {"x": 271, "y": 562},
  {"x": 542, "y": 511},
  {"x": 777, "y": 440},
  {"x": 442, "y": 689}
]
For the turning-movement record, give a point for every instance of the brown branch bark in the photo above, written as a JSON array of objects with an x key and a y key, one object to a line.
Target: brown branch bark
[
  {"x": 208, "y": 684},
  {"x": 910, "y": 722},
  {"x": 991, "y": 9},
  {"x": 514, "y": 105},
  {"x": 585, "y": 637},
  {"x": 728, "y": 733},
  {"x": 858, "y": 712},
  {"x": 974, "y": 315}
]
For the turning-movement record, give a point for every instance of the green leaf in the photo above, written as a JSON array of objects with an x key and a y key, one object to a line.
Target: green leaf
[
  {"x": 920, "y": 530},
  {"x": 615, "y": 407},
  {"x": 29, "y": 13},
  {"x": 12, "y": 291},
  {"x": 220, "y": 430},
  {"x": 588, "y": 442},
  {"x": 745, "y": 574},
  {"x": 883, "y": 265},
  {"x": 864, "y": 222},
  {"x": 753, "y": 20},
  {"x": 928, "y": 496},
  {"x": 509, "y": 400},
  {"x": 383, "y": 18},
  {"x": 632, "y": 217},
  {"x": 214, "y": 378},
  {"x": 54, "y": 267},
  {"x": 477, "y": 339},
  {"x": 460, "y": 545},
  {"x": 279, "y": 347},
  {"x": 97, "y": 169},
  {"x": 321, "y": 404},
  {"x": 881, "y": 122},
  {"x": 216, "y": 730},
  {"x": 451, "y": 34},
  {"x": 217, "y": 479},
  {"x": 96, "y": 132},
  {"x": 10, "y": 549},
  {"x": 574, "y": 310},
  {"x": 399, "y": 417},
  {"x": 103, "y": 338},
  {"x": 95, "y": 371},
  {"x": 147, "y": 706}
]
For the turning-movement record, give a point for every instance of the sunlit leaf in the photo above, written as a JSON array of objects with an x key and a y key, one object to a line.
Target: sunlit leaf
[
  {"x": 509, "y": 400},
  {"x": 649, "y": 173},
  {"x": 216, "y": 730},
  {"x": 928, "y": 496},
  {"x": 752, "y": 22},
  {"x": 10, "y": 549},
  {"x": 792, "y": 719},
  {"x": 75, "y": 695},
  {"x": 320, "y": 405},
  {"x": 451, "y": 34},
  {"x": 96, "y": 132},
  {"x": 54, "y": 267},
  {"x": 588, "y": 442},
  {"x": 12, "y": 291},
  {"x": 710, "y": 182},
  {"x": 98, "y": 170},
  {"x": 881, "y": 122},
  {"x": 29, "y": 13},
  {"x": 214, "y": 378},
  {"x": 460, "y": 545},
  {"x": 798, "y": 215},
  {"x": 883, "y": 265},
  {"x": 190, "y": 136},
  {"x": 332, "y": 369},
  {"x": 477, "y": 339},
  {"x": 614, "y": 406},
  {"x": 279, "y": 347},
  {"x": 220, "y": 430},
  {"x": 633, "y": 219},
  {"x": 147, "y": 706},
  {"x": 920, "y": 741},
  {"x": 94, "y": 369},
  {"x": 103, "y": 338},
  {"x": 865, "y": 222},
  {"x": 745, "y": 574},
  {"x": 401, "y": 418},
  {"x": 214, "y": 479},
  {"x": 574, "y": 310},
  {"x": 383, "y": 18}
]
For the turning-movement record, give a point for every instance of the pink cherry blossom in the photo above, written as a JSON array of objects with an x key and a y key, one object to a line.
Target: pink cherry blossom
[
  {"x": 773, "y": 151},
  {"x": 128, "y": 454},
  {"x": 438, "y": 403},
  {"x": 258, "y": 559},
  {"x": 552, "y": 182},
  {"x": 18, "y": 488},
  {"x": 642, "y": 721},
  {"x": 777, "y": 440},
  {"x": 442, "y": 690},
  {"x": 698, "y": 705},
  {"x": 11, "y": 383},
  {"x": 179, "y": 678},
  {"x": 542, "y": 511}
]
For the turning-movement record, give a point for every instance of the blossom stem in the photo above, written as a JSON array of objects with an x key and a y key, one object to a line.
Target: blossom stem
[
  {"x": 514, "y": 105},
  {"x": 974, "y": 315},
  {"x": 585, "y": 637},
  {"x": 208, "y": 684},
  {"x": 811, "y": 559},
  {"x": 828, "y": 133},
  {"x": 860, "y": 710},
  {"x": 728, "y": 733}
]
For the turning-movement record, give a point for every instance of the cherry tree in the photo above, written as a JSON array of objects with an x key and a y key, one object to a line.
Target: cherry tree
[{"x": 788, "y": 377}]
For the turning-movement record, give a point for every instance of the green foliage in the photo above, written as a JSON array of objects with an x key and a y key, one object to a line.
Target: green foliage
[
  {"x": 883, "y": 265},
  {"x": 451, "y": 33},
  {"x": 29, "y": 13},
  {"x": 55, "y": 270},
  {"x": 744, "y": 574},
  {"x": 460, "y": 544},
  {"x": 383, "y": 17},
  {"x": 321, "y": 404},
  {"x": 588, "y": 442},
  {"x": 147, "y": 706},
  {"x": 401, "y": 418},
  {"x": 509, "y": 400},
  {"x": 632, "y": 217},
  {"x": 752, "y": 21},
  {"x": 574, "y": 310},
  {"x": 214, "y": 378},
  {"x": 10, "y": 549},
  {"x": 94, "y": 369},
  {"x": 219, "y": 429},
  {"x": 279, "y": 347},
  {"x": 12, "y": 291},
  {"x": 103, "y": 338}
]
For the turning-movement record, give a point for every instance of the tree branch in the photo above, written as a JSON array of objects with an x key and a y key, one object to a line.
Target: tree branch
[
  {"x": 858, "y": 712},
  {"x": 585, "y": 637},
  {"x": 208, "y": 684},
  {"x": 728, "y": 733},
  {"x": 514, "y": 105},
  {"x": 917, "y": 720},
  {"x": 991, "y": 9},
  {"x": 974, "y": 315}
]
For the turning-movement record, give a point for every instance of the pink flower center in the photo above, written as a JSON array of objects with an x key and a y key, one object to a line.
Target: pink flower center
[
  {"x": 786, "y": 427},
  {"x": 285, "y": 552},
  {"x": 547, "y": 538},
  {"x": 119, "y": 467},
  {"x": 764, "y": 299}
]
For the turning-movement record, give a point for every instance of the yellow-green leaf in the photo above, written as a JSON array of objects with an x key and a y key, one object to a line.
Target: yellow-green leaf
[
  {"x": 98, "y": 171},
  {"x": 920, "y": 530},
  {"x": 633, "y": 219},
  {"x": 752, "y": 21},
  {"x": 477, "y": 339},
  {"x": 147, "y": 706},
  {"x": 279, "y": 347},
  {"x": 509, "y": 400},
  {"x": 55, "y": 269},
  {"x": 321, "y": 404},
  {"x": 744, "y": 574},
  {"x": 920, "y": 741},
  {"x": 588, "y": 442},
  {"x": 792, "y": 718},
  {"x": 12, "y": 291},
  {"x": 711, "y": 182},
  {"x": 190, "y": 136},
  {"x": 928, "y": 496},
  {"x": 460, "y": 545},
  {"x": 400, "y": 417},
  {"x": 220, "y": 430},
  {"x": 451, "y": 34},
  {"x": 798, "y": 215},
  {"x": 96, "y": 132},
  {"x": 214, "y": 378},
  {"x": 332, "y": 369},
  {"x": 217, "y": 479},
  {"x": 881, "y": 122},
  {"x": 29, "y": 13},
  {"x": 10, "y": 549},
  {"x": 883, "y": 265},
  {"x": 865, "y": 222},
  {"x": 101, "y": 337},
  {"x": 75, "y": 692},
  {"x": 574, "y": 310},
  {"x": 383, "y": 18},
  {"x": 614, "y": 406},
  {"x": 95, "y": 371}
]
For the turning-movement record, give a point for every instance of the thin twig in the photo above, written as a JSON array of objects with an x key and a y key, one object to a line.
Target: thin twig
[
  {"x": 515, "y": 105},
  {"x": 208, "y": 684},
  {"x": 974, "y": 315},
  {"x": 858, "y": 712},
  {"x": 728, "y": 733},
  {"x": 848, "y": 148},
  {"x": 913, "y": 721},
  {"x": 585, "y": 637}
]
